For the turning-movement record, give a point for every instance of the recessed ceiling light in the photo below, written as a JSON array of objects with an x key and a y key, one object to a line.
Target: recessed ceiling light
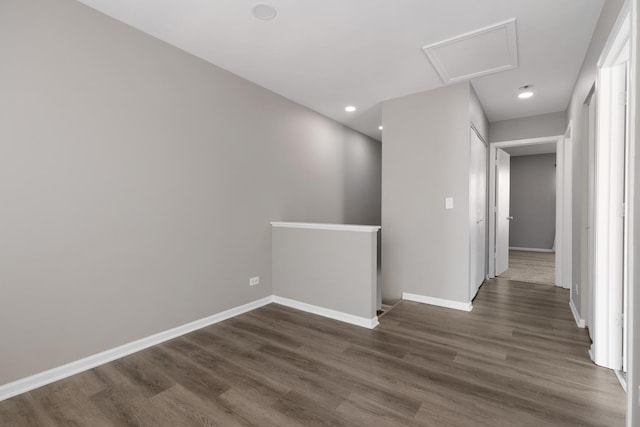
[
  {"x": 380, "y": 127},
  {"x": 349, "y": 108},
  {"x": 525, "y": 92},
  {"x": 264, "y": 12}
]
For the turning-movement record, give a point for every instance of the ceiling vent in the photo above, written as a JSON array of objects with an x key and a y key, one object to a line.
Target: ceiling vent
[{"x": 484, "y": 51}]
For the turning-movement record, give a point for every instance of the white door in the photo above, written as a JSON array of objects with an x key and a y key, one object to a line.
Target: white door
[
  {"x": 610, "y": 240},
  {"x": 503, "y": 177},
  {"x": 477, "y": 212}
]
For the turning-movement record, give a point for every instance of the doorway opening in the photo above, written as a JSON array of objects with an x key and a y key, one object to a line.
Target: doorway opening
[
  {"x": 526, "y": 213},
  {"x": 543, "y": 250}
]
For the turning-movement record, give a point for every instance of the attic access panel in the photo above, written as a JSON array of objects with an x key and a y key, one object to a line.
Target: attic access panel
[{"x": 480, "y": 52}]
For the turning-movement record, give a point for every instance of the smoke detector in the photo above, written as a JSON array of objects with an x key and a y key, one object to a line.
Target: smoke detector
[{"x": 264, "y": 12}]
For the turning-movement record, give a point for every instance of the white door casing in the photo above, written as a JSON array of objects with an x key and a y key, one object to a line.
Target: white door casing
[
  {"x": 477, "y": 212},
  {"x": 611, "y": 259},
  {"x": 564, "y": 276},
  {"x": 503, "y": 188},
  {"x": 591, "y": 162}
]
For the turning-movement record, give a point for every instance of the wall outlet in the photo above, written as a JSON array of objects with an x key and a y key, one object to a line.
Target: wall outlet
[
  {"x": 577, "y": 288},
  {"x": 254, "y": 281}
]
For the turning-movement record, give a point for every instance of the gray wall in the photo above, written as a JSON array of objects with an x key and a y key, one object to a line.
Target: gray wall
[
  {"x": 138, "y": 183},
  {"x": 578, "y": 115},
  {"x": 425, "y": 154},
  {"x": 528, "y": 127},
  {"x": 326, "y": 268},
  {"x": 533, "y": 201}
]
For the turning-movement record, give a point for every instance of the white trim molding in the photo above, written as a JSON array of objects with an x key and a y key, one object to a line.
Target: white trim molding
[
  {"x": 564, "y": 198},
  {"x": 326, "y": 312},
  {"x": 611, "y": 223},
  {"x": 456, "y": 305},
  {"x": 621, "y": 379},
  {"x": 47, "y": 377},
  {"x": 579, "y": 321},
  {"x": 514, "y": 248},
  {"x": 334, "y": 227}
]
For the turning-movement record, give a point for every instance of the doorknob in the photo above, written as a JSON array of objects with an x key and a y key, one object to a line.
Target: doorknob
[
  {"x": 509, "y": 218},
  {"x": 479, "y": 221}
]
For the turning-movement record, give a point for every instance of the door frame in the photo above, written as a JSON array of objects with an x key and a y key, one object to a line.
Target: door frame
[
  {"x": 609, "y": 280},
  {"x": 588, "y": 259},
  {"x": 633, "y": 331},
  {"x": 564, "y": 277},
  {"x": 563, "y": 190},
  {"x": 473, "y": 290}
]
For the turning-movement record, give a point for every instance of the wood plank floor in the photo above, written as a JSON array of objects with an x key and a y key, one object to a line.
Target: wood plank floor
[
  {"x": 516, "y": 360},
  {"x": 533, "y": 267}
]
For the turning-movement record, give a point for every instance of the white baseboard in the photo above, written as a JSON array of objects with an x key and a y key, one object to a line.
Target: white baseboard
[
  {"x": 325, "y": 312},
  {"x": 464, "y": 306},
  {"x": 580, "y": 322},
  {"x": 621, "y": 379},
  {"x": 38, "y": 380},
  {"x": 531, "y": 249}
]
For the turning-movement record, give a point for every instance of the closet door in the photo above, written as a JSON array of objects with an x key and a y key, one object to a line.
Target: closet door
[{"x": 477, "y": 211}]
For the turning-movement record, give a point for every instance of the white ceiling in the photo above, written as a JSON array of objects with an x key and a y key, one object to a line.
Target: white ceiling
[{"x": 326, "y": 54}]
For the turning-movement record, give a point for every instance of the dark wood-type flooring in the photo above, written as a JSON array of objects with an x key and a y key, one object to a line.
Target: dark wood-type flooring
[
  {"x": 517, "y": 359},
  {"x": 533, "y": 267}
]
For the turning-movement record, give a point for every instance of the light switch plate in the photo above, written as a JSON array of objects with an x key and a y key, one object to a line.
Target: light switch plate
[{"x": 448, "y": 203}]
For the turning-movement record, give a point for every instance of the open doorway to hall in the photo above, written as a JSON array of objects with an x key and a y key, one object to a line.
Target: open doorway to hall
[
  {"x": 529, "y": 213},
  {"x": 531, "y": 218}
]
